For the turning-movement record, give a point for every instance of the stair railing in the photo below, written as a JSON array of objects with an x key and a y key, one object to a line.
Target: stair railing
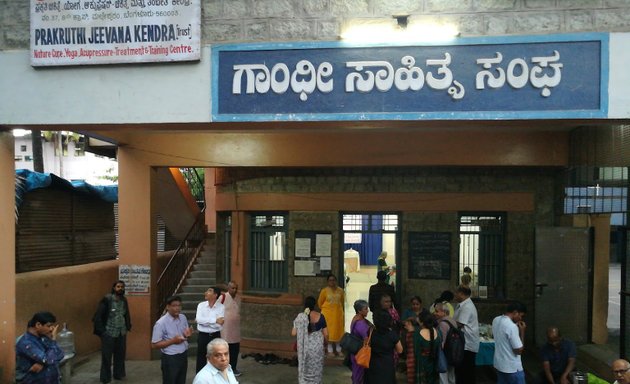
[{"x": 178, "y": 266}]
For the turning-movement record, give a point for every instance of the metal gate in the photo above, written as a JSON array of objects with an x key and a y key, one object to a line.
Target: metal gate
[
  {"x": 563, "y": 294},
  {"x": 624, "y": 316}
]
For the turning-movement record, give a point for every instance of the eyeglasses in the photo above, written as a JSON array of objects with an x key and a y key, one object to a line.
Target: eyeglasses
[{"x": 621, "y": 371}]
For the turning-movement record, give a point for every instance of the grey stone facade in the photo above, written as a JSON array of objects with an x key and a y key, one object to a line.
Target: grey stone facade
[
  {"x": 519, "y": 263},
  {"x": 321, "y": 20}
]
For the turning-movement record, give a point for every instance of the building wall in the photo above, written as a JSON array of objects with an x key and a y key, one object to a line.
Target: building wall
[
  {"x": 540, "y": 184},
  {"x": 296, "y": 20},
  {"x": 70, "y": 293}
]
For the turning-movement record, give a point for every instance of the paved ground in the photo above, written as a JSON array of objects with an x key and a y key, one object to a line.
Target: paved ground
[{"x": 86, "y": 371}]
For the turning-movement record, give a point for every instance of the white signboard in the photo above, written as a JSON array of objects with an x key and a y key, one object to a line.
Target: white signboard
[
  {"x": 137, "y": 278},
  {"x": 77, "y": 32}
]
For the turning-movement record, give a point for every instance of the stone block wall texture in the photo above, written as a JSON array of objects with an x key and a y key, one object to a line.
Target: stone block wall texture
[
  {"x": 519, "y": 264},
  {"x": 225, "y": 21}
]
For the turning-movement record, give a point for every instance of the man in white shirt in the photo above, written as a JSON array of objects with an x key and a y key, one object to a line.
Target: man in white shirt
[
  {"x": 509, "y": 334},
  {"x": 217, "y": 370},
  {"x": 621, "y": 371},
  {"x": 467, "y": 320},
  {"x": 209, "y": 318},
  {"x": 232, "y": 327}
]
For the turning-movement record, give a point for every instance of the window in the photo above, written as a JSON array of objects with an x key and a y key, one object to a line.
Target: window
[
  {"x": 482, "y": 249},
  {"x": 267, "y": 253},
  {"x": 22, "y": 148},
  {"x": 18, "y": 158},
  {"x": 28, "y": 158},
  {"x": 598, "y": 190}
]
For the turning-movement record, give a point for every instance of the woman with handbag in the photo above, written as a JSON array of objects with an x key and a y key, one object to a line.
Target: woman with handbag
[
  {"x": 312, "y": 340},
  {"x": 426, "y": 346},
  {"x": 360, "y": 327},
  {"x": 384, "y": 342}
]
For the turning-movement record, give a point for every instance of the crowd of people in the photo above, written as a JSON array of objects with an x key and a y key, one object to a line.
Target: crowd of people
[{"x": 422, "y": 340}]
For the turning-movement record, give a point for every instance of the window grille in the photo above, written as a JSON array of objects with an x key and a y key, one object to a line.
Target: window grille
[
  {"x": 598, "y": 190},
  {"x": 482, "y": 249},
  {"x": 267, "y": 255}
]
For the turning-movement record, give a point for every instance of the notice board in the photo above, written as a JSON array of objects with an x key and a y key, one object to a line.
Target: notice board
[
  {"x": 430, "y": 255},
  {"x": 313, "y": 253}
]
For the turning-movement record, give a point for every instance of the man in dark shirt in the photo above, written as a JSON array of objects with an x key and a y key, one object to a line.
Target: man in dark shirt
[
  {"x": 558, "y": 356},
  {"x": 111, "y": 324},
  {"x": 379, "y": 289}
]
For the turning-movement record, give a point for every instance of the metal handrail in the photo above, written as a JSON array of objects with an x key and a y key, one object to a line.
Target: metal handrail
[{"x": 178, "y": 266}]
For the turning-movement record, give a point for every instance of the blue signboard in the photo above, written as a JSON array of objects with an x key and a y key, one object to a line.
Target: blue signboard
[{"x": 512, "y": 77}]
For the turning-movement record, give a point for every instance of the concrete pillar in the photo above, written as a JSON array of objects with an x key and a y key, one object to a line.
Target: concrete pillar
[
  {"x": 601, "y": 257},
  {"x": 137, "y": 242},
  {"x": 7, "y": 260},
  {"x": 210, "y": 194},
  {"x": 239, "y": 248}
]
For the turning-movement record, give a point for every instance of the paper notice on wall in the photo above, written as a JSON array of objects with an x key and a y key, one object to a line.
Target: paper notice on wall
[
  {"x": 305, "y": 268},
  {"x": 325, "y": 263},
  {"x": 352, "y": 238},
  {"x": 137, "y": 278},
  {"x": 302, "y": 247},
  {"x": 323, "y": 245}
]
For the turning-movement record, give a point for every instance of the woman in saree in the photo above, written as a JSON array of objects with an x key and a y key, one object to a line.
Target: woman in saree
[
  {"x": 360, "y": 327},
  {"x": 331, "y": 301},
  {"x": 426, "y": 344},
  {"x": 312, "y": 340}
]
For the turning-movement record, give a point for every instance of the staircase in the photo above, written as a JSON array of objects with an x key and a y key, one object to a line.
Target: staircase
[{"x": 202, "y": 276}]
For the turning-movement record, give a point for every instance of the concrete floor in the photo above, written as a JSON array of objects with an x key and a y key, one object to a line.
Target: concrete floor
[{"x": 87, "y": 372}]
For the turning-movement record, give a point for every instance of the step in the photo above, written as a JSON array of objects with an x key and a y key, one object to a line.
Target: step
[
  {"x": 199, "y": 282},
  {"x": 202, "y": 274},
  {"x": 205, "y": 268}
]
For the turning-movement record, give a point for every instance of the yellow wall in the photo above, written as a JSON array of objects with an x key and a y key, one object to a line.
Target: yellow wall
[
  {"x": 7, "y": 259},
  {"x": 137, "y": 234},
  {"x": 70, "y": 293}
]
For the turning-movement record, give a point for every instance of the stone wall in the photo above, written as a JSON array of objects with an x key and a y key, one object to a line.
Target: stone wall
[
  {"x": 305, "y": 20},
  {"x": 519, "y": 245}
]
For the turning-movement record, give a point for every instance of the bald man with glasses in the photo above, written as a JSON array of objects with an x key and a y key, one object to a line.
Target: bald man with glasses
[{"x": 621, "y": 371}]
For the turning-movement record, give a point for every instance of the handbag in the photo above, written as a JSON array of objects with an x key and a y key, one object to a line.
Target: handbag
[
  {"x": 351, "y": 343},
  {"x": 365, "y": 353}
]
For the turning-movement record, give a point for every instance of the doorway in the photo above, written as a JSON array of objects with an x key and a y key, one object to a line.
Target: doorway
[
  {"x": 563, "y": 294},
  {"x": 365, "y": 236}
]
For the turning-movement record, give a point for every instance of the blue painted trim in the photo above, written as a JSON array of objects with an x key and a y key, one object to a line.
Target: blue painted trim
[{"x": 605, "y": 75}]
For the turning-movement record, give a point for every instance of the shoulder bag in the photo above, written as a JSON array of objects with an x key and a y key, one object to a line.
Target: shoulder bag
[
  {"x": 365, "y": 353},
  {"x": 351, "y": 343}
]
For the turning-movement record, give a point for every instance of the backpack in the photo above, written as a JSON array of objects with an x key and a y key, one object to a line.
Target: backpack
[{"x": 454, "y": 346}]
